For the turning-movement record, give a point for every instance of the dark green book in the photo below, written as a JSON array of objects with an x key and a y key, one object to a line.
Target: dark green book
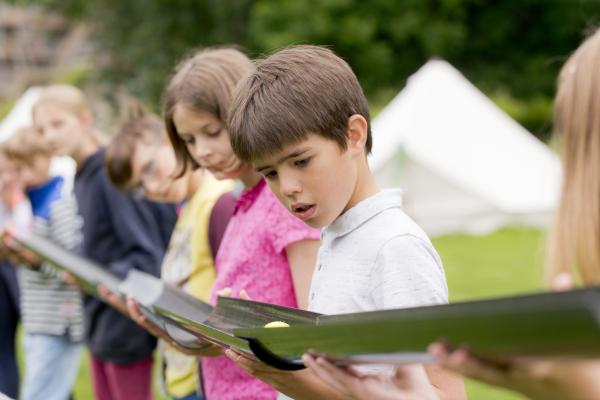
[{"x": 545, "y": 325}]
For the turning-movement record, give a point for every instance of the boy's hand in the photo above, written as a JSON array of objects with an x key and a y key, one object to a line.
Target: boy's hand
[
  {"x": 273, "y": 376},
  {"x": 17, "y": 254},
  {"x": 70, "y": 279},
  {"x": 136, "y": 315},
  {"x": 408, "y": 382},
  {"x": 112, "y": 299}
]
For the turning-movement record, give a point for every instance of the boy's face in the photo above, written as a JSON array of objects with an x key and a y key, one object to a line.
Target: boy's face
[
  {"x": 61, "y": 129},
  {"x": 207, "y": 141},
  {"x": 314, "y": 179},
  {"x": 152, "y": 167}
]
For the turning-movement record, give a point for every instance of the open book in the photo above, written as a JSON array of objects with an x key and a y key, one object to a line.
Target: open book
[
  {"x": 167, "y": 304},
  {"x": 87, "y": 273},
  {"x": 565, "y": 324},
  {"x": 546, "y": 325}
]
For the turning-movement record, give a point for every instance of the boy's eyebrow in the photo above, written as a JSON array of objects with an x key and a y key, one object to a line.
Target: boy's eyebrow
[{"x": 283, "y": 159}]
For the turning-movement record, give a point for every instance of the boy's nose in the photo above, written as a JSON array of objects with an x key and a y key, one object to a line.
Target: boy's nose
[{"x": 290, "y": 187}]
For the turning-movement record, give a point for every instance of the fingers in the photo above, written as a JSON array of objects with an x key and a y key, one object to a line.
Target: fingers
[
  {"x": 562, "y": 282},
  {"x": 134, "y": 311},
  {"x": 226, "y": 292},
  {"x": 342, "y": 380},
  {"x": 462, "y": 361},
  {"x": 244, "y": 362}
]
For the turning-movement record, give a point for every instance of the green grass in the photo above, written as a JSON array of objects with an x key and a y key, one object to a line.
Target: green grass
[{"x": 506, "y": 262}]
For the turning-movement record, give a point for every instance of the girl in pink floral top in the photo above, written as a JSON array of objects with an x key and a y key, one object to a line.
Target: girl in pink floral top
[{"x": 265, "y": 250}]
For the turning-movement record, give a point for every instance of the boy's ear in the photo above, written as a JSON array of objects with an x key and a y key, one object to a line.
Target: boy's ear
[{"x": 357, "y": 134}]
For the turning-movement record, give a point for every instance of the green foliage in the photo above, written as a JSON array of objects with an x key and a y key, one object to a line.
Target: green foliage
[
  {"x": 503, "y": 46},
  {"x": 75, "y": 76},
  {"x": 5, "y": 108}
]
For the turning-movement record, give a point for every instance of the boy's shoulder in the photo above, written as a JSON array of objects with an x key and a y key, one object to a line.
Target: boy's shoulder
[{"x": 376, "y": 220}]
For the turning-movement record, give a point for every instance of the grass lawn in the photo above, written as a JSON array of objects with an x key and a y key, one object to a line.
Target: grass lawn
[{"x": 506, "y": 262}]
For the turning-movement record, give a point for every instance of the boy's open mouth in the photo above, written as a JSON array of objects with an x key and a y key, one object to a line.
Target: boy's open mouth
[{"x": 303, "y": 211}]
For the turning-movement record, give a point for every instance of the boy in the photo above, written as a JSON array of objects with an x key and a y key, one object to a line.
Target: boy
[
  {"x": 302, "y": 119},
  {"x": 52, "y": 311},
  {"x": 141, "y": 159}
]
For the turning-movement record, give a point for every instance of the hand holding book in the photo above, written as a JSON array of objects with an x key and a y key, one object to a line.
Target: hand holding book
[
  {"x": 136, "y": 315},
  {"x": 11, "y": 250}
]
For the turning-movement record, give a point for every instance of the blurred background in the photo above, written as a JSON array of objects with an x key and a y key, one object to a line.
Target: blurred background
[{"x": 467, "y": 136}]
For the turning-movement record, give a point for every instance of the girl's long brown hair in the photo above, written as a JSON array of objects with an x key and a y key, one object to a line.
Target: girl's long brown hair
[
  {"x": 575, "y": 239},
  {"x": 205, "y": 81}
]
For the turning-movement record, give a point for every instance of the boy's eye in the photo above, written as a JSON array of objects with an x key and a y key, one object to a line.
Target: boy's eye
[{"x": 301, "y": 163}]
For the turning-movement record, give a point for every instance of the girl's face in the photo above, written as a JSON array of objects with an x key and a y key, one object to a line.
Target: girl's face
[
  {"x": 207, "y": 141},
  {"x": 153, "y": 166},
  {"x": 60, "y": 128}
]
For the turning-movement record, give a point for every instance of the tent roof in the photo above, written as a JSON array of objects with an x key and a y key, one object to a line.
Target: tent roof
[
  {"x": 20, "y": 115},
  {"x": 444, "y": 122}
]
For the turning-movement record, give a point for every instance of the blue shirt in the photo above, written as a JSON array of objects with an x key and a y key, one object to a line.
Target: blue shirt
[{"x": 41, "y": 197}]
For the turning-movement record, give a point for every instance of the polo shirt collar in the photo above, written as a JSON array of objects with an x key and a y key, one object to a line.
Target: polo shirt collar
[{"x": 363, "y": 211}]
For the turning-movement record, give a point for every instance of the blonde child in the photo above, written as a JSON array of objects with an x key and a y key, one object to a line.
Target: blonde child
[
  {"x": 265, "y": 250},
  {"x": 119, "y": 233},
  {"x": 140, "y": 159},
  {"x": 51, "y": 310}
]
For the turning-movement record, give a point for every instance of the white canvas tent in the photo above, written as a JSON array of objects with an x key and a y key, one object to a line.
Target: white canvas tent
[
  {"x": 462, "y": 163},
  {"x": 19, "y": 117}
]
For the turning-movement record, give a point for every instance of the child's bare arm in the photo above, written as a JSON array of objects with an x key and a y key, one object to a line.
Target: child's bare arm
[{"x": 302, "y": 257}]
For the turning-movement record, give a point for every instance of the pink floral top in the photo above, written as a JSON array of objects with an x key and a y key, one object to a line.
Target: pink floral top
[{"x": 252, "y": 257}]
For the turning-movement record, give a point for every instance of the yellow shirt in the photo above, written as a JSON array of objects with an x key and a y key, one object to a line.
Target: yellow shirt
[{"x": 189, "y": 263}]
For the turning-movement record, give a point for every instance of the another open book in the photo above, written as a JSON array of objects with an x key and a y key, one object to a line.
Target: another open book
[{"x": 87, "y": 273}]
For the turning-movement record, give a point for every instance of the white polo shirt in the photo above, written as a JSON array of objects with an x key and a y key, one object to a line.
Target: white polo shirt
[{"x": 375, "y": 257}]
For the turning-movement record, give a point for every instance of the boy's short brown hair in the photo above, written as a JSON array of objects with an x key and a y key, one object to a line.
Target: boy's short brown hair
[
  {"x": 294, "y": 92},
  {"x": 24, "y": 146},
  {"x": 140, "y": 126}
]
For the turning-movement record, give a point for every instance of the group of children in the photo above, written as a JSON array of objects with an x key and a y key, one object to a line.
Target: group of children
[{"x": 263, "y": 165}]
